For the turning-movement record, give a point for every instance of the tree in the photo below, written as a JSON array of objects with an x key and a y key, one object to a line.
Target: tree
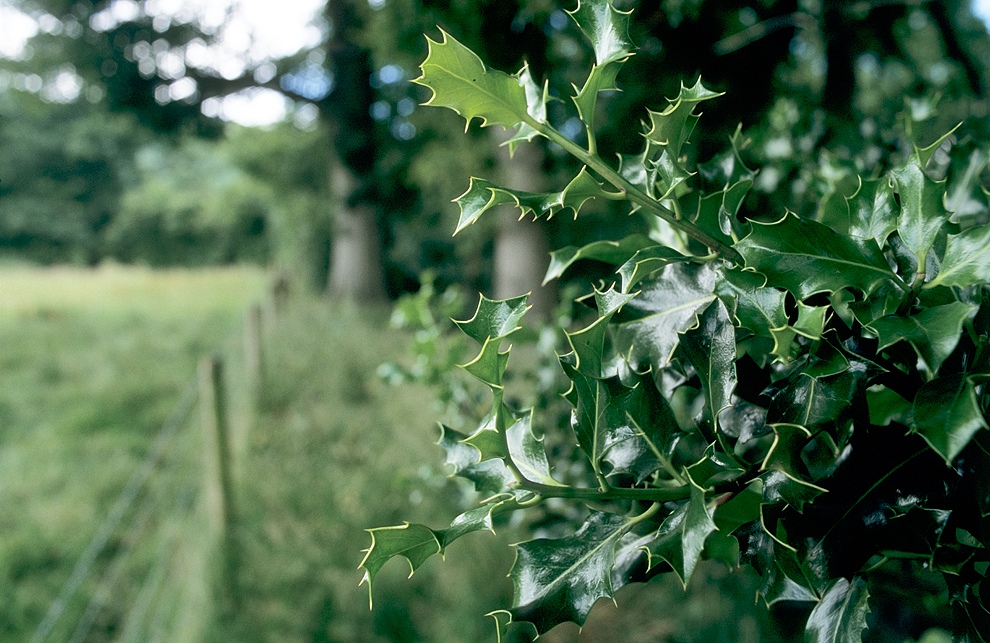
[
  {"x": 158, "y": 68},
  {"x": 59, "y": 193}
]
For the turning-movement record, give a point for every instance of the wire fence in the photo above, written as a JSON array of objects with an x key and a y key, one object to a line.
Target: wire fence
[{"x": 160, "y": 564}]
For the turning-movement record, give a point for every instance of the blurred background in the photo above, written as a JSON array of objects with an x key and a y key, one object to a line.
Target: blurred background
[{"x": 236, "y": 214}]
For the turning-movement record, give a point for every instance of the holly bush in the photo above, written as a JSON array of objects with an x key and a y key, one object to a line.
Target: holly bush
[{"x": 806, "y": 395}]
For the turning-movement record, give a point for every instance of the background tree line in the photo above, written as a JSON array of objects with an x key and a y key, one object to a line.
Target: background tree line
[{"x": 113, "y": 149}]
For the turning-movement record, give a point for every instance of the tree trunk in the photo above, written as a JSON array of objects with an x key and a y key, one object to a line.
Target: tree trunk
[
  {"x": 356, "y": 271},
  {"x": 356, "y": 251},
  {"x": 522, "y": 252}
]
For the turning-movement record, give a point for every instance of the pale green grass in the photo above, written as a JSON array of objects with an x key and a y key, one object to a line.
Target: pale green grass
[
  {"x": 91, "y": 364},
  {"x": 111, "y": 288}
]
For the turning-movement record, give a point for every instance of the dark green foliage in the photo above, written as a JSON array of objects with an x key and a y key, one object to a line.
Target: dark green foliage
[{"x": 802, "y": 393}]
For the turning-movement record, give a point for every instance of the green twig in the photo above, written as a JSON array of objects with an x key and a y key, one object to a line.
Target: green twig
[{"x": 633, "y": 193}]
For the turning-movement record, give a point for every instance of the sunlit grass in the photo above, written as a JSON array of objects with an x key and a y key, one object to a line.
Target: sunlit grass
[
  {"x": 26, "y": 291},
  {"x": 91, "y": 364}
]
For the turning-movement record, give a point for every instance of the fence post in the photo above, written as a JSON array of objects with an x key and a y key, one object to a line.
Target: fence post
[
  {"x": 218, "y": 496},
  {"x": 253, "y": 355}
]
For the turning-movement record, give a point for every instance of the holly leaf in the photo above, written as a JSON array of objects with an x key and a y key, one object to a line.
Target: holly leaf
[
  {"x": 810, "y": 323},
  {"x": 527, "y": 451},
  {"x": 967, "y": 259},
  {"x": 716, "y": 213},
  {"x": 711, "y": 348},
  {"x": 494, "y": 318},
  {"x": 601, "y": 78},
  {"x": 611, "y": 252},
  {"x": 536, "y": 106},
  {"x": 806, "y": 257},
  {"x": 872, "y": 211},
  {"x": 415, "y": 543},
  {"x": 648, "y": 327},
  {"x": 933, "y": 332},
  {"x": 489, "y": 476},
  {"x": 588, "y": 343},
  {"x": 462, "y": 82},
  {"x": 923, "y": 213},
  {"x": 606, "y": 27},
  {"x": 645, "y": 263},
  {"x": 757, "y": 308},
  {"x": 681, "y": 537},
  {"x": 672, "y": 127},
  {"x": 600, "y": 417},
  {"x": 782, "y": 486},
  {"x": 840, "y": 616},
  {"x": 558, "y": 580},
  {"x": 482, "y": 195},
  {"x": 648, "y": 437},
  {"x": 947, "y": 414},
  {"x": 815, "y": 402},
  {"x": 489, "y": 366}
]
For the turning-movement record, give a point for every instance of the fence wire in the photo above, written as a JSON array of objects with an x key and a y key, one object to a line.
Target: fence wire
[{"x": 168, "y": 482}]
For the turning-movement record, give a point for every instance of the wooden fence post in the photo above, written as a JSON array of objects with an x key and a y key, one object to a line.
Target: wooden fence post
[
  {"x": 218, "y": 496},
  {"x": 253, "y": 355}
]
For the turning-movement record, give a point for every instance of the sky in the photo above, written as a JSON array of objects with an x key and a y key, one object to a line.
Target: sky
[{"x": 252, "y": 30}]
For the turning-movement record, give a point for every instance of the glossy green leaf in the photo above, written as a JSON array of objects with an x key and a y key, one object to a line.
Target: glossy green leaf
[
  {"x": 933, "y": 332},
  {"x": 885, "y": 300},
  {"x": 806, "y": 257},
  {"x": 494, "y": 318},
  {"x": 810, "y": 323},
  {"x": 886, "y": 406},
  {"x": 606, "y": 27},
  {"x": 873, "y": 211},
  {"x": 489, "y": 366},
  {"x": 947, "y": 414},
  {"x": 527, "y": 451},
  {"x": 536, "y": 106},
  {"x": 924, "y": 154},
  {"x": 840, "y": 617},
  {"x": 923, "y": 214},
  {"x": 482, "y": 195},
  {"x": 558, "y": 580},
  {"x": 601, "y": 78},
  {"x": 716, "y": 212},
  {"x": 814, "y": 402},
  {"x": 415, "y": 543},
  {"x": 611, "y": 252},
  {"x": 489, "y": 476},
  {"x": 669, "y": 173},
  {"x": 741, "y": 509},
  {"x": 648, "y": 328},
  {"x": 462, "y": 82},
  {"x": 477, "y": 519},
  {"x": 645, "y": 263},
  {"x": 649, "y": 436},
  {"x": 589, "y": 342},
  {"x": 967, "y": 259},
  {"x": 682, "y": 535},
  {"x": 757, "y": 308},
  {"x": 601, "y": 412},
  {"x": 711, "y": 348},
  {"x": 672, "y": 127},
  {"x": 779, "y": 486}
]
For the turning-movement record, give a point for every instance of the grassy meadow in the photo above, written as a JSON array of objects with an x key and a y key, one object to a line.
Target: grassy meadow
[
  {"x": 91, "y": 364},
  {"x": 93, "y": 361}
]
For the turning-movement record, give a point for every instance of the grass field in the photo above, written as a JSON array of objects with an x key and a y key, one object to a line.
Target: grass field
[{"x": 91, "y": 363}]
